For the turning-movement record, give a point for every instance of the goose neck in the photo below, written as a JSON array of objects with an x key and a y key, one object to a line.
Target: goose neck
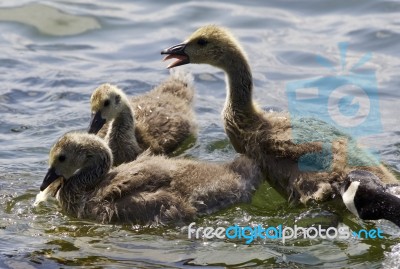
[
  {"x": 123, "y": 133},
  {"x": 124, "y": 121},
  {"x": 239, "y": 85}
]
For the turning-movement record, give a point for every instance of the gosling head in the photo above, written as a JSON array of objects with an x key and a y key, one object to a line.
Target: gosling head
[
  {"x": 107, "y": 102},
  {"x": 207, "y": 45},
  {"x": 360, "y": 191},
  {"x": 72, "y": 153}
]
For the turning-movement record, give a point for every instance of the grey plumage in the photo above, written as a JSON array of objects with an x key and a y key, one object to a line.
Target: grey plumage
[
  {"x": 160, "y": 120},
  {"x": 267, "y": 137},
  {"x": 151, "y": 189}
]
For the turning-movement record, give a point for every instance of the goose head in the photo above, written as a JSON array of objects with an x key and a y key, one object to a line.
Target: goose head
[
  {"x": 107, "y": 102},
  {"x": 209, "y": 44},
  {"x": 366, "y": 197},
  {"x": 358, "y": 188},
  {"x": 76, "y": 153}
]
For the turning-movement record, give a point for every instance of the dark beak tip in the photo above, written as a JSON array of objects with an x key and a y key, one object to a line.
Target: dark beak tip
[
  {"x": 168, "y": 51},
  {"x": 96, "y": 123},
  {"x": 50, "y": 177},
  {"x": 178, "y": 49}
]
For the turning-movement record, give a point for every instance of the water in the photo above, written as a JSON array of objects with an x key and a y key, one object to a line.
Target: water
[{"x": 54, "y": 53}]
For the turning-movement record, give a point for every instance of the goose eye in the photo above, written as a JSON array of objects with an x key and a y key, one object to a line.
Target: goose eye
[
  {"x": 61, "y": 158},
  {"x": 202, "y": 42},
  {"x": 107, "y": 102}
]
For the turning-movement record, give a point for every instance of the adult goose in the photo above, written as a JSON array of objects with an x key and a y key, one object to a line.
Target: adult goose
[
  {"x": 149, "y": 190},
  {"x": 303, "y": 171},
  {"x": 160, "y": 120}
]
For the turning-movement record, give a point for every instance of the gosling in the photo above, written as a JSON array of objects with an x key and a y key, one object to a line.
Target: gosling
[
  {"x": 150, "y": 190},
  {"x": 267, "y": 137},
  {"x": 160, "y": 120}
]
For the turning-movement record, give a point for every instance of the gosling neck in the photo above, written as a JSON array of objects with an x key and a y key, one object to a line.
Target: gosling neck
[
  {"x": 239, "y": 84},
  {"x": 77, "y": 189},
  {"x": 122, "y": 136},
  {"x": 124, "y": 123}
]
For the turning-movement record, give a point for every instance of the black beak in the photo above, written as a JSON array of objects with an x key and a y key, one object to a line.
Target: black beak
[
  {"x": 177, "y": 52},
  {"x": 96, "y": 123},
  {"x": 50, "y": 177},
  {"x": 177, "y": 49}
]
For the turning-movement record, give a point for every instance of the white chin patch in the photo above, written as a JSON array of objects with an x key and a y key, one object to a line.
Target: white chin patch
[
  {"x": 348, "y": 197},
  {"x": 41, "y": 197},
  {"x": 51, "y": 190}
]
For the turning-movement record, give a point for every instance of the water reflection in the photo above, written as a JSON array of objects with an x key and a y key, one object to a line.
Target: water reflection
[
  {"x": 49, "y": 69},
  {"x": 49, "y": 20}
]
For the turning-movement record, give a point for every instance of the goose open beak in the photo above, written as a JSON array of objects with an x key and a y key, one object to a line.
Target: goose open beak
[
  {"x": 176, "y": 52},
  {"x": 50, "y": 177},
  {"x": 96, "y": 123}
]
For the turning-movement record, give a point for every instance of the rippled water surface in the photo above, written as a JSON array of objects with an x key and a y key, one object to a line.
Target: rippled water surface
[{"x": 54, "y": 53}]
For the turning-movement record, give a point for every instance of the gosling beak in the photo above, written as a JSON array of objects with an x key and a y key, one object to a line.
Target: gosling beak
[
  {"x": 96, "y": 123},
  {"x": 50, "y": 177},
  {"x": 176, "y": 52}
]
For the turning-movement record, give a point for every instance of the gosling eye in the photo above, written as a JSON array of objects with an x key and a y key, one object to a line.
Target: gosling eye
[
  {"x": 106, "y": 103},
  {"x": 61, "y": 158},
  {"x": 202, "y": 42}
]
